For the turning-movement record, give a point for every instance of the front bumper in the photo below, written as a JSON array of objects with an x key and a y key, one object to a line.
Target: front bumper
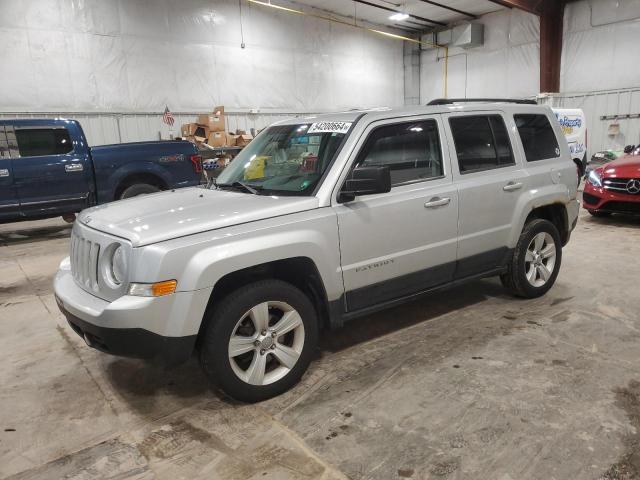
[
  {"x": 163, "y": 328},
  {"x": 601, "y": 199}
]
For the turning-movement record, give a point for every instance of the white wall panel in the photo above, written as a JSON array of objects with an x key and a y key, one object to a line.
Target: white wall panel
[
  {"x": 140, "y": 55},
  {"x": 507, "y": 65},
  {"x": 600, "y": 47},
  {"x": 104, "y": 128}
]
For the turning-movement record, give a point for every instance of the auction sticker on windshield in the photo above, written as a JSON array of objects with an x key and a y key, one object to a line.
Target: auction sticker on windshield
[{"x": 329, "y": 127}]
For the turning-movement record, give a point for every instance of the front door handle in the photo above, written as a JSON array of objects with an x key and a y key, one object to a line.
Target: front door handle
[
  {"x": 4, "y": 172},
  {"x": 437, "y": 202},
  {"x": 73, "y": 167},
  {"x": 511, "y": 186}
]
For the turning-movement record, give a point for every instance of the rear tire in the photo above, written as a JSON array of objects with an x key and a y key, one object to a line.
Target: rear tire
[
  {"x": 535, "y": 263},
  {"x": 138, "y": 189},
  {"x": 599, "y": 213},
  {"x": 259, "y": 340}
]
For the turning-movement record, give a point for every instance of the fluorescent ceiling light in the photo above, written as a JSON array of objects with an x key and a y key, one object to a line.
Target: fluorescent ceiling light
[{"x": 398, "y": 17}]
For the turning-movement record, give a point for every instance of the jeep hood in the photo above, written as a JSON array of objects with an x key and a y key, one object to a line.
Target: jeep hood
[{"x": 162, "y": 216}]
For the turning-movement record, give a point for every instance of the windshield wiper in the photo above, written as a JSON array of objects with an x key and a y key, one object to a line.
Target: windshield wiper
[{"x": 241, "y": 185}]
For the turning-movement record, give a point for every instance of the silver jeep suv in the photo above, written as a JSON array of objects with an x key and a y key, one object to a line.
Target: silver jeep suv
[{"x": 317, "y": 221}]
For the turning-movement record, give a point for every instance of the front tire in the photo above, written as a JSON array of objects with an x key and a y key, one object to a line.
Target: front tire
[
  {"x": 259, "y": 340},
  {"x": 536, "y": 260}
]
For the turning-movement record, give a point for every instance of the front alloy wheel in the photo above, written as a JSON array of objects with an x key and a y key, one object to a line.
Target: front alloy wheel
[
  {"x": 266, "y": 343},
  {"x": 259, "y": 340}
]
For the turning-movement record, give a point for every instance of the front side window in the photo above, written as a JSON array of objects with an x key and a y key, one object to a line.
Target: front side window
[
  {"x": 537, "y": 135},
  {"x": 482, "y": 142},
  {"x": 286, "y": 159},
  {"x": 411, "y": 151},
  {"x": 43, "y": 141}
]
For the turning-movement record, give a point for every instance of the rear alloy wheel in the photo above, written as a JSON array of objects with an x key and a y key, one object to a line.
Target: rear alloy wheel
[
  {"x": 535, "y": 262},
  {"x": 259, "y": 340},
  {"x": 540, "y": 259}
]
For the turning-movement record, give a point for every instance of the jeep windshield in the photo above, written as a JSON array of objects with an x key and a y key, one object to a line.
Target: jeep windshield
[{"x": 285, "y": 159}]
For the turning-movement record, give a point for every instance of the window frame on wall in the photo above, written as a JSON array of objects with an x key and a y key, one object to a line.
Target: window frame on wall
[
  {"x": 548, "y": 128},
  {"x": 19, "y": 131},
  {"x": 491, "y": 118},
  {"x": 433, "y": 126}
]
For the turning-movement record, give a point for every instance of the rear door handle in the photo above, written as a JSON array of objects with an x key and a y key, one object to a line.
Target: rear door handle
[
  {"x": 4, "y": 172},
  {"x": 437, "y": 202},
  {"x": 511, "y": 186}
]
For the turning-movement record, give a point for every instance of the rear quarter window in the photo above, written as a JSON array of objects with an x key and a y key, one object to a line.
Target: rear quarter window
[{"x": 538, "y": 138}]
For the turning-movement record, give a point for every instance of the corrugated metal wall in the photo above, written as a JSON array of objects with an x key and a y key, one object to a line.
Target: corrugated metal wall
[
  {"x": 605, "y": 103},
  {"x": 105, "y": 128}
]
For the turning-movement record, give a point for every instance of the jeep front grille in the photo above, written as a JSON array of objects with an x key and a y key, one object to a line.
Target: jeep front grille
[{"x": 84, "y": 261}]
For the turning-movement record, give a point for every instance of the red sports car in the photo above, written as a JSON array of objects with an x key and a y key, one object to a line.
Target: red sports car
[{"x": 614, "y": 187}]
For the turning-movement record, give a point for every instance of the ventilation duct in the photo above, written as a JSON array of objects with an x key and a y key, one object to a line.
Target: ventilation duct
[{"x": 465, "y": 35}]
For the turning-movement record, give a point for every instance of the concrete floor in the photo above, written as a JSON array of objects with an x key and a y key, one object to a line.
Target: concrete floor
[{"x": 469, "y": 383}]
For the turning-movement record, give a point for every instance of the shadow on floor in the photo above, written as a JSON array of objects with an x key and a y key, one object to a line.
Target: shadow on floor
[
  {"x": 143, "y": 384},
  {"x": 615, "y": 220},
  {"x": 424, "y": 309},
  {"x": 34, "y": 234}
]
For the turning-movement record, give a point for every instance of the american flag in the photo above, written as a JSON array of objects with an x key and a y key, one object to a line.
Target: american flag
[{"x": 167, "y": 117}]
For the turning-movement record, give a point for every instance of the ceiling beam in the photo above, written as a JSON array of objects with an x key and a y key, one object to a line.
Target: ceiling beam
[
  {"x": 447, "y": 7},
  {"x": 531, "y": 6},
  {"x": 416, "y": 17}
]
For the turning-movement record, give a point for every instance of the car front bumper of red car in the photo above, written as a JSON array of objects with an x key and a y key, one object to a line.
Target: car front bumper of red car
[{"x": 611, "y": 197}]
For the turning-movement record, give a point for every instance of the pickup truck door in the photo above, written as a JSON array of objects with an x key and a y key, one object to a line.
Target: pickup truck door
[
  {"x": 49, "y": 176},
  {"x": 399, "y": 243},
  {"x": 9, "y": 204}
]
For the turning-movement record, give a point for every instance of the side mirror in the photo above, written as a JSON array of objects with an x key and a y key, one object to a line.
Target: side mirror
[{"x": 366, "y": 181}]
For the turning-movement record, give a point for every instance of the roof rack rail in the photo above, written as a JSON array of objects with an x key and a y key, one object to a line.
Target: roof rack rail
[{"x": 449, "y": 101}]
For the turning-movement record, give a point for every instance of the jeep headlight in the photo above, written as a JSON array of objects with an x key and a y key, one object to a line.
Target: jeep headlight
[
  {"x": 595, "y": 179},
  {"x": 119, "y": 265}
]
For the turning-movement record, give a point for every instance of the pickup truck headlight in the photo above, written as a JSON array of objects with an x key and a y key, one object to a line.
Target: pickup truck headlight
[
  {"x": 595, "y": 179},
  {"x": 119, "y": 265}
]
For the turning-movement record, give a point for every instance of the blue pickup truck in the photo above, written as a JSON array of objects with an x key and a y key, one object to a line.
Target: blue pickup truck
[{"x": 47, "y": 169}]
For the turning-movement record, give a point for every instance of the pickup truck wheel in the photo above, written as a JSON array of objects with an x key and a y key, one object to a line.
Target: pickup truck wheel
[
  {"x": 535, "y": 262},
  {"x": 138, "y": 189},
  {"x": 259, "y": 340}
]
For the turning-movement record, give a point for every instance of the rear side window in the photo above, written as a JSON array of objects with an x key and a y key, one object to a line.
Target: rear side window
[
  {"x": 482, "y": 142},
  {"x": 43, "y": 141},
  {"x": 538, "y": 138},
  {"x": 411, "y": 151}
]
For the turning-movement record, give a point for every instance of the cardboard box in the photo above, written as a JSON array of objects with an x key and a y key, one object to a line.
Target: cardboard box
[
  {"x": 189, "y": 129},
  {"x": 216, "y": 139},
  {"x": 243, "y": 140},
  {"x": 199, "y": 139},
  {"x": 231, "y": 139},
  {"x": 214, "y": 121}
]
